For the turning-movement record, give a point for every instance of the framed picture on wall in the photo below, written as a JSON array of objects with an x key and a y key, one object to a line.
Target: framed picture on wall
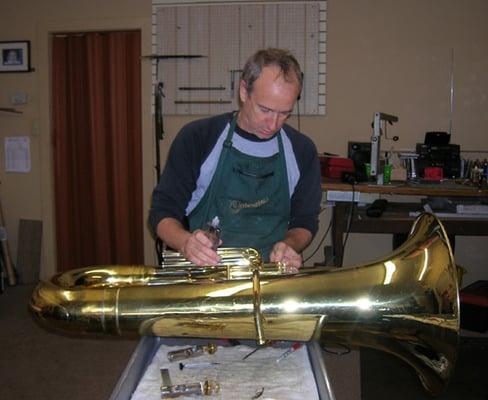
[{"x": 15, "y": 56}]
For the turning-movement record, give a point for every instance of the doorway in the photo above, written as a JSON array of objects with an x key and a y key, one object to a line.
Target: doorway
[{"x": 97, "y": 148}]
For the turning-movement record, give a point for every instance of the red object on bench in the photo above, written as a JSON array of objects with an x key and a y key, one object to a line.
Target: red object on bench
[
  {"x": 334, "y": 167},
  {"x": 433, "y": 173}
]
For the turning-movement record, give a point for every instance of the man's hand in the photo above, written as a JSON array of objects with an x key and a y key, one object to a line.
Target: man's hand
[
  {"x": 284, "y": 253},
  {"x": 287, "y": 250},
  {"x": 197, "y": 249}
]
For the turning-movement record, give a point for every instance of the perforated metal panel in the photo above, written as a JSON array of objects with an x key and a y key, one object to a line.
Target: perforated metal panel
[{"x": 225, "y": 35}]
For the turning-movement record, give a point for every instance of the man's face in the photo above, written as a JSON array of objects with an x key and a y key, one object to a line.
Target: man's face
[{"x": 264, "y": 111}]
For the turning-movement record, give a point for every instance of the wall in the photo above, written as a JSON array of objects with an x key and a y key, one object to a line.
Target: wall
[
  {"x": 393, "y": 57},
  {"x": 30, "y": 196},
  {"x": 396, "y": 57}
]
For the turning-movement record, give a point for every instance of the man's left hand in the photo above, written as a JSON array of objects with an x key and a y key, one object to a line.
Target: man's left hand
[{"x": 284, "y": 253}]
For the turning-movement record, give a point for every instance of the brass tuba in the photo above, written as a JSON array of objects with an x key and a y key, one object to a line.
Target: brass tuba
[{"x": 406, "y": 304}]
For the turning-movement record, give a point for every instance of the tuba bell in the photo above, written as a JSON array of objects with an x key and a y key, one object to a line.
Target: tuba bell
[{"x": 406, "y": 304}]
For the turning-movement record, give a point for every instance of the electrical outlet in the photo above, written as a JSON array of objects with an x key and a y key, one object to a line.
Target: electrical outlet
[{"x": 18, "y": 98}]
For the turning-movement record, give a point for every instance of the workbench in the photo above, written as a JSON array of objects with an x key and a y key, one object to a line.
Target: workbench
[{"x": 399, "y": 216}]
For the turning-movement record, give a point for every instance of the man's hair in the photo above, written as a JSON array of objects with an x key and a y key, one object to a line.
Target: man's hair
[{"x": 281, "y": 58}]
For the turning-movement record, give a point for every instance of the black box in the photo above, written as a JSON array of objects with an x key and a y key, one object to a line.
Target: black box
[
  {"x": 474, "y": 307},
  {"x": 446, "y": 157},
  {"x": 359, "y": 153},
  {"x": 437, "y": 138}
]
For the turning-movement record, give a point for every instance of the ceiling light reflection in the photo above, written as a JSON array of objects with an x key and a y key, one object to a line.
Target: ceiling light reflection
[
  {"x": 364, "y": 303},
  {"x": 290, "y": 305},
  {"x": 230, "y": 291},
  {"x": 390, "y": 268},
  {"x": 426, "y": 264}
]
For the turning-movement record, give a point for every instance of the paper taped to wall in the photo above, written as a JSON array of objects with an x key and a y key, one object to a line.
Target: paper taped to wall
[{"x": 17, "y": 154}]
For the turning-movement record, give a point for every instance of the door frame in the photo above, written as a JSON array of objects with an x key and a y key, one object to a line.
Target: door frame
[{"x": 45, "y": 30}]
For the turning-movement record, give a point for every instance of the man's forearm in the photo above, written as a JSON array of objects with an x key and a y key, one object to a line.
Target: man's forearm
[
  {"x": 172, "y": 232},
  {"x": 298, "y": 239}
]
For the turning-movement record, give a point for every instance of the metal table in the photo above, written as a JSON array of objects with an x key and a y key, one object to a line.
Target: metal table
[{"x": 148, "y": 346}]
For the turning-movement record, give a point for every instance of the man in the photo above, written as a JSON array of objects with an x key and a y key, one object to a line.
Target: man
[{"x": 259, "y": 177}]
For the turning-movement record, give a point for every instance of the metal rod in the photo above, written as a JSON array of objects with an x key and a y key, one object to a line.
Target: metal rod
[
  {"x": 10, "y": 110},
  {"x": 158, "y": 121},
  {"x": 203, "y": 101},
  {"x": 169, "y": 56},
  {"x": 452, "y": 92},
  {"x": 202, "y": 88}
]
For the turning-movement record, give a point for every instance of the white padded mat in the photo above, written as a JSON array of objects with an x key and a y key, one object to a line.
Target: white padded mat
[{"x": 291, "y": 378}]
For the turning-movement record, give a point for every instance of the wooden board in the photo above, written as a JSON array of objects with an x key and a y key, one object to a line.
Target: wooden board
[{"x": 29, "y": 250}]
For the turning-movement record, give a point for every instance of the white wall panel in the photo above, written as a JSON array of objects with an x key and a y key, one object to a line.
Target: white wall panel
[{"x": 226, "y": 35}]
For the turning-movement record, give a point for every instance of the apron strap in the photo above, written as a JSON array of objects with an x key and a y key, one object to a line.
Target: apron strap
[{"x": 222, "y": 159}]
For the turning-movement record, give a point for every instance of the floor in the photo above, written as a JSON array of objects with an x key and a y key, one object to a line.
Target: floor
[
  {"x": 41, "y": 365},
  {"x": 381, "y": 375}
]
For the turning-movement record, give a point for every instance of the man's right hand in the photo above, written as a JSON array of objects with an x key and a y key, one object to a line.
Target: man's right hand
[{"x": 197, "y": 249}]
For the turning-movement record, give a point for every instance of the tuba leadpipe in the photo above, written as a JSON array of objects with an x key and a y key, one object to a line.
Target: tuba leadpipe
[{"x": 406, "y": 304}]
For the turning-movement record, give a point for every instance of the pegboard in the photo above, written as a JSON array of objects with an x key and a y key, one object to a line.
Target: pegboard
[{"x": 220, "y": 37}]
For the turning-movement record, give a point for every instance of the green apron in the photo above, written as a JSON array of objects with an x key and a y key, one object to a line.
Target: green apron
[{"x": 249, "y": 195}]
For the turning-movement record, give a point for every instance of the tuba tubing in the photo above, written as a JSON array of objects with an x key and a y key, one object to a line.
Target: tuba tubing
[{"x": 406, "y": 304}]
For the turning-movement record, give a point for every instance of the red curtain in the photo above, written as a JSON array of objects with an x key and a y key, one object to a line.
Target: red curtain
[{"x": 97, "y": 148}]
